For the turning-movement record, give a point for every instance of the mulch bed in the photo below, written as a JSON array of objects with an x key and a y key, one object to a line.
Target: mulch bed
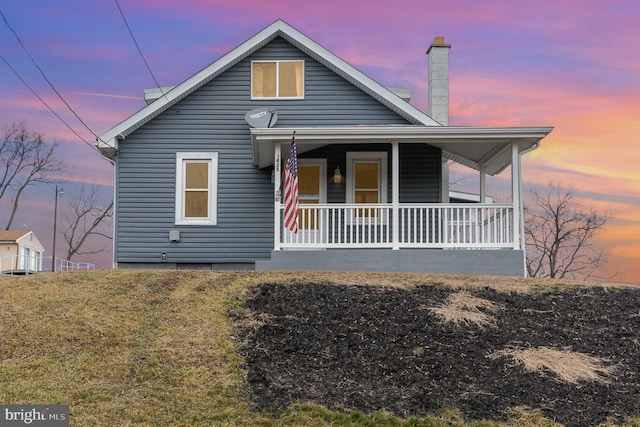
[{"x": 369, "y": 348}]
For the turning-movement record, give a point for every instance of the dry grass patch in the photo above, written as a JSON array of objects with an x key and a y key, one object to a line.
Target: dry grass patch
[
  {"x": 504, "y": 284},
  {"x": 526, "y": 417},
  {"x": 568, "y": 366},
  {"x": 462, "y": 308}
]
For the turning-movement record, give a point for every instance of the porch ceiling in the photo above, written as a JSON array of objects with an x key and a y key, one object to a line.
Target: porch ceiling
[{"x": 475, "y": 147}]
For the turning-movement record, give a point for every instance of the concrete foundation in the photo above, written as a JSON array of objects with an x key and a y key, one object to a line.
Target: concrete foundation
[{"x": 431, "y": 261}]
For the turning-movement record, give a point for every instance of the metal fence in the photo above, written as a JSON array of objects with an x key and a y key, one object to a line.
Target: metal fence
[{"x": 33, "y": 264}]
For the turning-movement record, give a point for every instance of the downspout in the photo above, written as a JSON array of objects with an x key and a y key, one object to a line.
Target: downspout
[{"x": 114, "y": 264}]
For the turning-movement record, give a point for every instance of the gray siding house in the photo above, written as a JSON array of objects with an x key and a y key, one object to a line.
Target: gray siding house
[{"x": 198, "y": 171}]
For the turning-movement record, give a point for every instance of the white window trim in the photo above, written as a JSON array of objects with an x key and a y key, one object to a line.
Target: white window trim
[
  {"x": 278, "y": 62},
  {"x": 212, "y": 219},
  {"x": 380, "y": 156}
]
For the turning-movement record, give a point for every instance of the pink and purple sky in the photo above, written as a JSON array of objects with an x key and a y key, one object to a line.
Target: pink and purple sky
[{"x": 570, "y": 64}]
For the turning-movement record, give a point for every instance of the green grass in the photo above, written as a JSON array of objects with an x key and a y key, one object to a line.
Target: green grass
[{"x": 153, "y": 348}]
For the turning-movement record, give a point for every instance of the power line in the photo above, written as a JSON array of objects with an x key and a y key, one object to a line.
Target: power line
[
  {"x": 139, "y": 50},
  {"x": 47, "y": 105},
  {"x": 45, "y": 77}
]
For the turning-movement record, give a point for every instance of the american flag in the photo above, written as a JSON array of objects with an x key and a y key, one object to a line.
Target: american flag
[{"x": 291, "y": 189}]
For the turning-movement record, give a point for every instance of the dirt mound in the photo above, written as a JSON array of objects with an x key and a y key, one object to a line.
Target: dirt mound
[{"x": 370, "y": 347}]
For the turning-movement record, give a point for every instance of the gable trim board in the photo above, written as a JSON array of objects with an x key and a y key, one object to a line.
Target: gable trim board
[{"x": 108, "y": 142}]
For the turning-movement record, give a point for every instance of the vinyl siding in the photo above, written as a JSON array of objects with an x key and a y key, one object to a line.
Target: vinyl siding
[
  {"x": 420, "y": 173},
  {"x": 212, "y": 119}
]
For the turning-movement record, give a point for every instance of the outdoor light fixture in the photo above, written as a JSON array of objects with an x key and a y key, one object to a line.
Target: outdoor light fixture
[
  {"x": 337, "y": 176},
  {"x": 60, "y": 193}
]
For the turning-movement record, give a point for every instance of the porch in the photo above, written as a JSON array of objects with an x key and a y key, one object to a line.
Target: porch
[{"x": 381, "y": 217}]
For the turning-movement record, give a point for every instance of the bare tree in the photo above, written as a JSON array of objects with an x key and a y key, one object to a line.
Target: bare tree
[
  {"x": 89, "y": 217},
  {"x": 559, "y": 235},
  {"x": 26, "y": 159}
]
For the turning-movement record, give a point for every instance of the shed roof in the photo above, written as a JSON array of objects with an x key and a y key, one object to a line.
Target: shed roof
[
  {"x": 486, "y": 148},
  {"x": 12, "y": 235}
]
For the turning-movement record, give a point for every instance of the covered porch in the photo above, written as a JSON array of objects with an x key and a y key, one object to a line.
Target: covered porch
[{"x": 391, "y": 224}]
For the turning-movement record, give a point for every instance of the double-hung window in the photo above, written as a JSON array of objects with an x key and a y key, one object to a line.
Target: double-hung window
[
  {"x": 196, "y": 188},
  {"x": 277, "y": 79},
  {"x": 366, "y": 180}
]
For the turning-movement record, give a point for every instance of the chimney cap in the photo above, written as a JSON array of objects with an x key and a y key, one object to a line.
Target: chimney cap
[{"x": 438, "y": 42}]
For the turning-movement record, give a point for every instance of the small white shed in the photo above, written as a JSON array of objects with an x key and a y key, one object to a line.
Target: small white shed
[{"x": 20, "y": 251}]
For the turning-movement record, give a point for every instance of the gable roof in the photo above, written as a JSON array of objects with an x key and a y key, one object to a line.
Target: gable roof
[
  {"x": 12, "y": 235},
  {"x": 108, "y": 142}
]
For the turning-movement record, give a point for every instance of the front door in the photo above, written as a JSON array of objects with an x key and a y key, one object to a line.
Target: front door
[{"x": 312, "y": 190}]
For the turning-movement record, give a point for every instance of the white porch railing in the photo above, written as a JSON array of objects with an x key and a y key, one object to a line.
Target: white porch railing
[{"x": 470, "y": 226}]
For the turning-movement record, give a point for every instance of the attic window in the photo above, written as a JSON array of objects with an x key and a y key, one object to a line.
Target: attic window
[{"x": 277, "y": 79}]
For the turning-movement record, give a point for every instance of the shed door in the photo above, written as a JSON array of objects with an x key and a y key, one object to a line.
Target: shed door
[{"x": 25, "y": 259}]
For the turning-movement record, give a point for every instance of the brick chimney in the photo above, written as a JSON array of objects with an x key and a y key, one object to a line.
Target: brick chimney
[{"x": 438, "y": 54}]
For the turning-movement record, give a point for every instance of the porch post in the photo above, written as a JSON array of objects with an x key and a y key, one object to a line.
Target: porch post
[
  {"x": 444, "y": 178},
  {"x": 277, "y": 148},
  {"x": 515, "y": 192},
  {"x": 483, "y": 184},
  {"x": 395, "y": 193}
]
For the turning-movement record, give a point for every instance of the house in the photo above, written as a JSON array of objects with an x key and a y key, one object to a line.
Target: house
[
  {"x": 198, "y": 171},
  {"x": 20, "y": 252}
]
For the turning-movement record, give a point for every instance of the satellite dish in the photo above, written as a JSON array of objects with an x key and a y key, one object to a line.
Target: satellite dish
[{"x": 263, "y": 117}]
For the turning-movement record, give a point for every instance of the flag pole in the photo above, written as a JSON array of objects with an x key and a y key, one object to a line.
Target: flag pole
[{"x": 293, "y": 136}]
